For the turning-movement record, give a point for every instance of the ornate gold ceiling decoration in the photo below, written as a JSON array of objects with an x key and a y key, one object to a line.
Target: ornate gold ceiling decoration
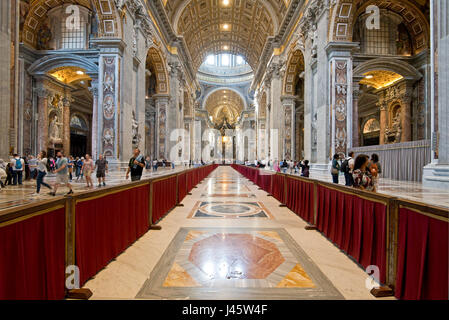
[
  {"x": 69, "y": 74},
  {"x": 345, "y": 13},
  {"x": 34, "y": 14},
  {"x": 241, "y": 28},
  {"x": 381, "y": 78},
  {"x": 294, "y": 67},
  {"x": 224, "y": 104},
  {"x": 156, "y": 64}
]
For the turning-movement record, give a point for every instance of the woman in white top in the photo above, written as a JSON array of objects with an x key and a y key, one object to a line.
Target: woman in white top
[{"x": 41, "y": 172}]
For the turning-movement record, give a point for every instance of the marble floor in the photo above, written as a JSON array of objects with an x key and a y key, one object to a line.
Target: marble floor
[
  {"x": 231, "y": 254},
  {"x": 414, "y": 191},
  {"x": 13, "y": 196}
]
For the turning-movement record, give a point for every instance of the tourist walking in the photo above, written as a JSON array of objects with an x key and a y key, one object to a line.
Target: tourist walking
[
  {"x": 32, "y": 164},
  {"x": 362, "y": 177},
  {"x": 305, "y": 168},
  {"x": 71, "y": 164},
  {"x": 88, "y": 168},
  {"x": 78, "y": 167},
  {"x": 135, "y": 166},
  {"x": 154, "y": 165},
  {"x": 18, "y": 165},
  {"x": 41, "y": 172},
  {"x": 62, "y": 174},
  {"x": 102, "y": 167},
  {"x": 347, "y": 167},
  {"x": 335, "y": 168}
]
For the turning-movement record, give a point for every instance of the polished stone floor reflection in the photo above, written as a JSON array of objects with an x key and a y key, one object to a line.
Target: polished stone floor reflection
[
  {"x": 229, "y": 210},
  {"x": 254, "y": 263},
  {"x": 207, "y": 249}
]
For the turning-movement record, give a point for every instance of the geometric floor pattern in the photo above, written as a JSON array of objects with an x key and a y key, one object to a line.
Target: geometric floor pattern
[
  {"x": 236, "y": 263},
  {"x": 229, "y": 210}
]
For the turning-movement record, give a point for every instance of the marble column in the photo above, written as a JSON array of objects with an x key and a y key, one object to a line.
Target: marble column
[
  {"x": 96, "y": 137},
  {"x": 355, "y": 114},
  {"x": 42, "y": 108},
  {"x": 383, "y": 121},
  {"x": 406, "y": 117},
  {"x": 342, "y": 118},
  {"x": 5, "y": 88},
  {"x": 162, "y": 137},
  {"x": 66, "y": 126},
  {"x": 288, "y": 132},
  {"x": 436, "y": 174},
  {"x": 109, "y": 112},
  {"x": 277, "y": 112}
]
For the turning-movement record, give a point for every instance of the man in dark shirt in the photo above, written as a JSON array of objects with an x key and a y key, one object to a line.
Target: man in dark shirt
[
  {"x": 102, "y": 167},
  {"x": 135, "y": 166}
]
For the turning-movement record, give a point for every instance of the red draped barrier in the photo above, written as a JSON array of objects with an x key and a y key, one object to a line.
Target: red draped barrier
[
  {"x": 32, "y": 258},
  {"x": 164, "y": 197},
  {"x": 278, "y": 188},
  {"x": 300, "y": 198},
  {"x": 106, "y": 226},
  {"x": 355, "y": 225},
  {"x": 182, "y": 186},
  {"x": 190, "y": 180},
  {"x": 422, "y": 269},
  {"x": 264, "y": 181}
]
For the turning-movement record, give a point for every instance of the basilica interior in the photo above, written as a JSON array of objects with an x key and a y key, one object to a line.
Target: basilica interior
[{"x": 216, "y": 86}]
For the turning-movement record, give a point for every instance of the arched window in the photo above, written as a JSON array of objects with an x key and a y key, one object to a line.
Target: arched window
[
  {"x": 392, "y": 38},
  {"x": 69, "y": 27}
]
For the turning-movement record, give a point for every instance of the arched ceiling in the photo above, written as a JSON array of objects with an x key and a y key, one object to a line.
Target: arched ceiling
[
  {"x": 381, "y": 78},
  {"x": 223, "y": 104},
  {"x": 241, "y": 27}
]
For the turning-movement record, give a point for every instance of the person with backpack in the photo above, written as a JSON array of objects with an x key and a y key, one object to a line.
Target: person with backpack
[
  {"x": 62, "y": 174},
  {"x": 335, "y": 168},
  {"x": 135, "y": 166},
  {"x": 346, "y": 167},
  {"x": 284, "y": 166},
  {"x": 18, "y": 166}
]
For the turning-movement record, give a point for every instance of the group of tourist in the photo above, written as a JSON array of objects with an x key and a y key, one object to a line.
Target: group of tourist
[
  {"x": 12, "y": 173},
  {"x": 361, "y": 172}
]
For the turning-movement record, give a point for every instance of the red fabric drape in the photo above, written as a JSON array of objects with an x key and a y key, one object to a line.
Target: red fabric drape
[
  {"x": 278, "y": 188},
  {"x": 106, "y": 226},
  {"x": 422, "y": 269},
  {"x": 164, "y": 197},
  {"x": 264, "y": 182},
  {"x": 32, "y": 258},
  {"x": 355, "y": 225},
  {"x": 190, "y": 180},
  {"x": 182, "y": 186},
  {"x": 299, "y": 198}
]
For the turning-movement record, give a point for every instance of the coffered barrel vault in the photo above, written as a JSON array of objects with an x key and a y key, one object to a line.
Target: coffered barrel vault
[{"x": 240, "y": 27}]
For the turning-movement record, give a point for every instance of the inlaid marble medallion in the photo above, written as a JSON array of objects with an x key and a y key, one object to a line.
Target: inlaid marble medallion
[
  {"x": 229, "y": 210},
  {"x": 262, "y": 263}
]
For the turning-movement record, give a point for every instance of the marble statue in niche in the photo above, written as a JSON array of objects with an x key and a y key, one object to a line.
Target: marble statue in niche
[
  {"x": 109, "y": 82},
  {"x": 54, "y": 130},
  {"x": 135, "y": 131},
  {"x": 108, "y": 137},
  {"x": 108, "y": 106}
]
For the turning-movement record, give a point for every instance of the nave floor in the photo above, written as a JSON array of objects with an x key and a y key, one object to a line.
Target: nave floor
[
  {"x": 13, "y": 196},
  {"x": 231, "y": 241}
]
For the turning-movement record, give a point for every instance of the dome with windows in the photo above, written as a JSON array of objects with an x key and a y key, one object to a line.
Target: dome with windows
[{"x": 225, "y": 68}]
